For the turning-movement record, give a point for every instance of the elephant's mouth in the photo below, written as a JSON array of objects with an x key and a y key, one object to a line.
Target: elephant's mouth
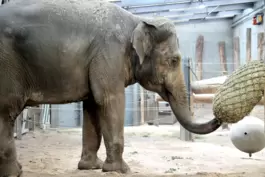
[{"x": 165, "y": 95}]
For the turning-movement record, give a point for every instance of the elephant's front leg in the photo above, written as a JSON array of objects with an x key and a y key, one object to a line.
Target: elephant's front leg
[
  {"x": 9, "y": 166},
  {"x": 112, "y": 125},
  {"x": 91, "y": 137}
]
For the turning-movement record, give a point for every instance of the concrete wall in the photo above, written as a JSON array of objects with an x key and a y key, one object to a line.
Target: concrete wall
[
  {"x": 240, "y": 31},
  {"x": 66, "y": 115},
  {"x": 132, "y": 105},
  {"x": 213, "y": 32}
]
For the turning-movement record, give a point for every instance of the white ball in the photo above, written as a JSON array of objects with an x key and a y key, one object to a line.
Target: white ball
[{"x": 248, "y": 135}]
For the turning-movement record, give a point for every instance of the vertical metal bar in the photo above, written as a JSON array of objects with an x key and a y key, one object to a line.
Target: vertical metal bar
[
  {"x": 142, "y": 105},
  {"x": 264, "y": 107},
  {"x": 19, "y": 127},
  {"x": 185, "y": 135}
]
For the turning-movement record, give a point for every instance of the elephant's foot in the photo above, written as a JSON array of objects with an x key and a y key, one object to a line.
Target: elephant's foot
[
  {"x": 90, "y": 164},
  {"x": 120, "y": 167},
  {"x": 13, "y": 169}
]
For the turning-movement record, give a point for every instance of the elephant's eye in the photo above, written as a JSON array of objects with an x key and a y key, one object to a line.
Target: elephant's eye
[{"x": 175, "y": 60}]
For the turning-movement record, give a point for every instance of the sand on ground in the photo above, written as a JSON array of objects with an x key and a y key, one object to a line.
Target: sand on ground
[{"x": 149, "y": 151}]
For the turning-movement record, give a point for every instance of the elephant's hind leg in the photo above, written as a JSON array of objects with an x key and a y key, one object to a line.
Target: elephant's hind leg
[
  {"x": 91, "y": 137},
  {"x": 9, "y": 166}
]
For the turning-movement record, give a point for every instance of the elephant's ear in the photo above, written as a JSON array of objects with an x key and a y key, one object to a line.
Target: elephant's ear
[{"x": 142, "y": 39}]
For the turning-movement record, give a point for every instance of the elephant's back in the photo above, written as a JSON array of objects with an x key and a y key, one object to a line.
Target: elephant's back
[
  {"x": 84, "y": 12},
  {"x": 240, "y": 92},
  {"x": 97, "y": 18}
]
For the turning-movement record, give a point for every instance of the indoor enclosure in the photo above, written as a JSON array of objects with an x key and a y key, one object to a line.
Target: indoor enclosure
[{"x": 215, "y": 38}]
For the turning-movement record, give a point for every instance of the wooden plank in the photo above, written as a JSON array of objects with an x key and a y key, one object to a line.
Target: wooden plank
[
  {"x": 204, "y": 89},
  {"x": 248, "y": 45},
  {"x": 207, "y": 85},
  {"x": 260, "y": 45},
  {"x": 236, "y": 46},
  {"x": 199, "y": 56}
]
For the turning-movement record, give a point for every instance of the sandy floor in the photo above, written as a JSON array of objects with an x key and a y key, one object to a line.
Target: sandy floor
[{"x": 149, "y": 150}]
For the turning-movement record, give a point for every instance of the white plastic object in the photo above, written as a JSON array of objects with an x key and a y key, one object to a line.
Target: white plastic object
[{"x": 248, "y": 135}]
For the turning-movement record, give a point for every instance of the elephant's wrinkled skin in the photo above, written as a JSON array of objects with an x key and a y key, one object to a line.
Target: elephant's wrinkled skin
[{"x": 54, "y": 52}]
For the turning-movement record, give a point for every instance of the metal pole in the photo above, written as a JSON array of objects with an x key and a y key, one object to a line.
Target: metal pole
[
  {"x": 264, "y": 109},
  {"x": 19, "y": 126},
  {"x": 185, "y": 135}
]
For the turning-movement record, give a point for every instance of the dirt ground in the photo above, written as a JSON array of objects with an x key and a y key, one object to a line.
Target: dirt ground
[{"x": 150, "y": 151}]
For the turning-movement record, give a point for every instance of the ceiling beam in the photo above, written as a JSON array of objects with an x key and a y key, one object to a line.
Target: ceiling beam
[
  {"x": 203, "y": 10},
  {"x": 199, "y": 20},
  {"x": 194, "y": 21},
  {"x": 184, "y": 6},
  {"x": 226, "y": 14},
  {"x": 230, "y": 13},
  {"x": 150, "y": 2}
]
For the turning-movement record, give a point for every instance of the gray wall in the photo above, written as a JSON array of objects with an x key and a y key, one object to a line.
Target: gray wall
[
  {"x": 132, "y": 105},
  {"x": 240, "y": 31},
  {"x": 66, "y": 115},
  {"x": 213, "y": 32}
]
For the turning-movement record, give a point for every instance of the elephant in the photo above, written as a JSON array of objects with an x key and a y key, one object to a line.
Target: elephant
[{"x": 64, "y": 51}]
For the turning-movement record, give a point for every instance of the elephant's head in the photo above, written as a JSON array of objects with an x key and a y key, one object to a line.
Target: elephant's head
[{"x": 159, "y": 70}]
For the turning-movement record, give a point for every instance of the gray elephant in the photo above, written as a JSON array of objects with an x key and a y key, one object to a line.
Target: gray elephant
[{"x": 55, "y": 52}]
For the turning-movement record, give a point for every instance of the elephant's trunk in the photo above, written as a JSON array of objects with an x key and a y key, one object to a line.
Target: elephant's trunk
[{"x": 181, "y": 110}]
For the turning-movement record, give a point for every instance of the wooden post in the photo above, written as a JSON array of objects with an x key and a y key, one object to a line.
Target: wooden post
[
  {"x": 260, "y": 45},
  {"x": 236, "y": 47},
  {"x": 248, "y": 45},
  {"x": 222, "y": 56},
  {"x": 199, "y": 56},
  {"x": 185, "y": 135},
  {"x": 142, "y": 105}
]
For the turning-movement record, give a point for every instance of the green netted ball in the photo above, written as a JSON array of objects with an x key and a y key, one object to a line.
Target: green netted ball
[{"x": 240, "y": 93}]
